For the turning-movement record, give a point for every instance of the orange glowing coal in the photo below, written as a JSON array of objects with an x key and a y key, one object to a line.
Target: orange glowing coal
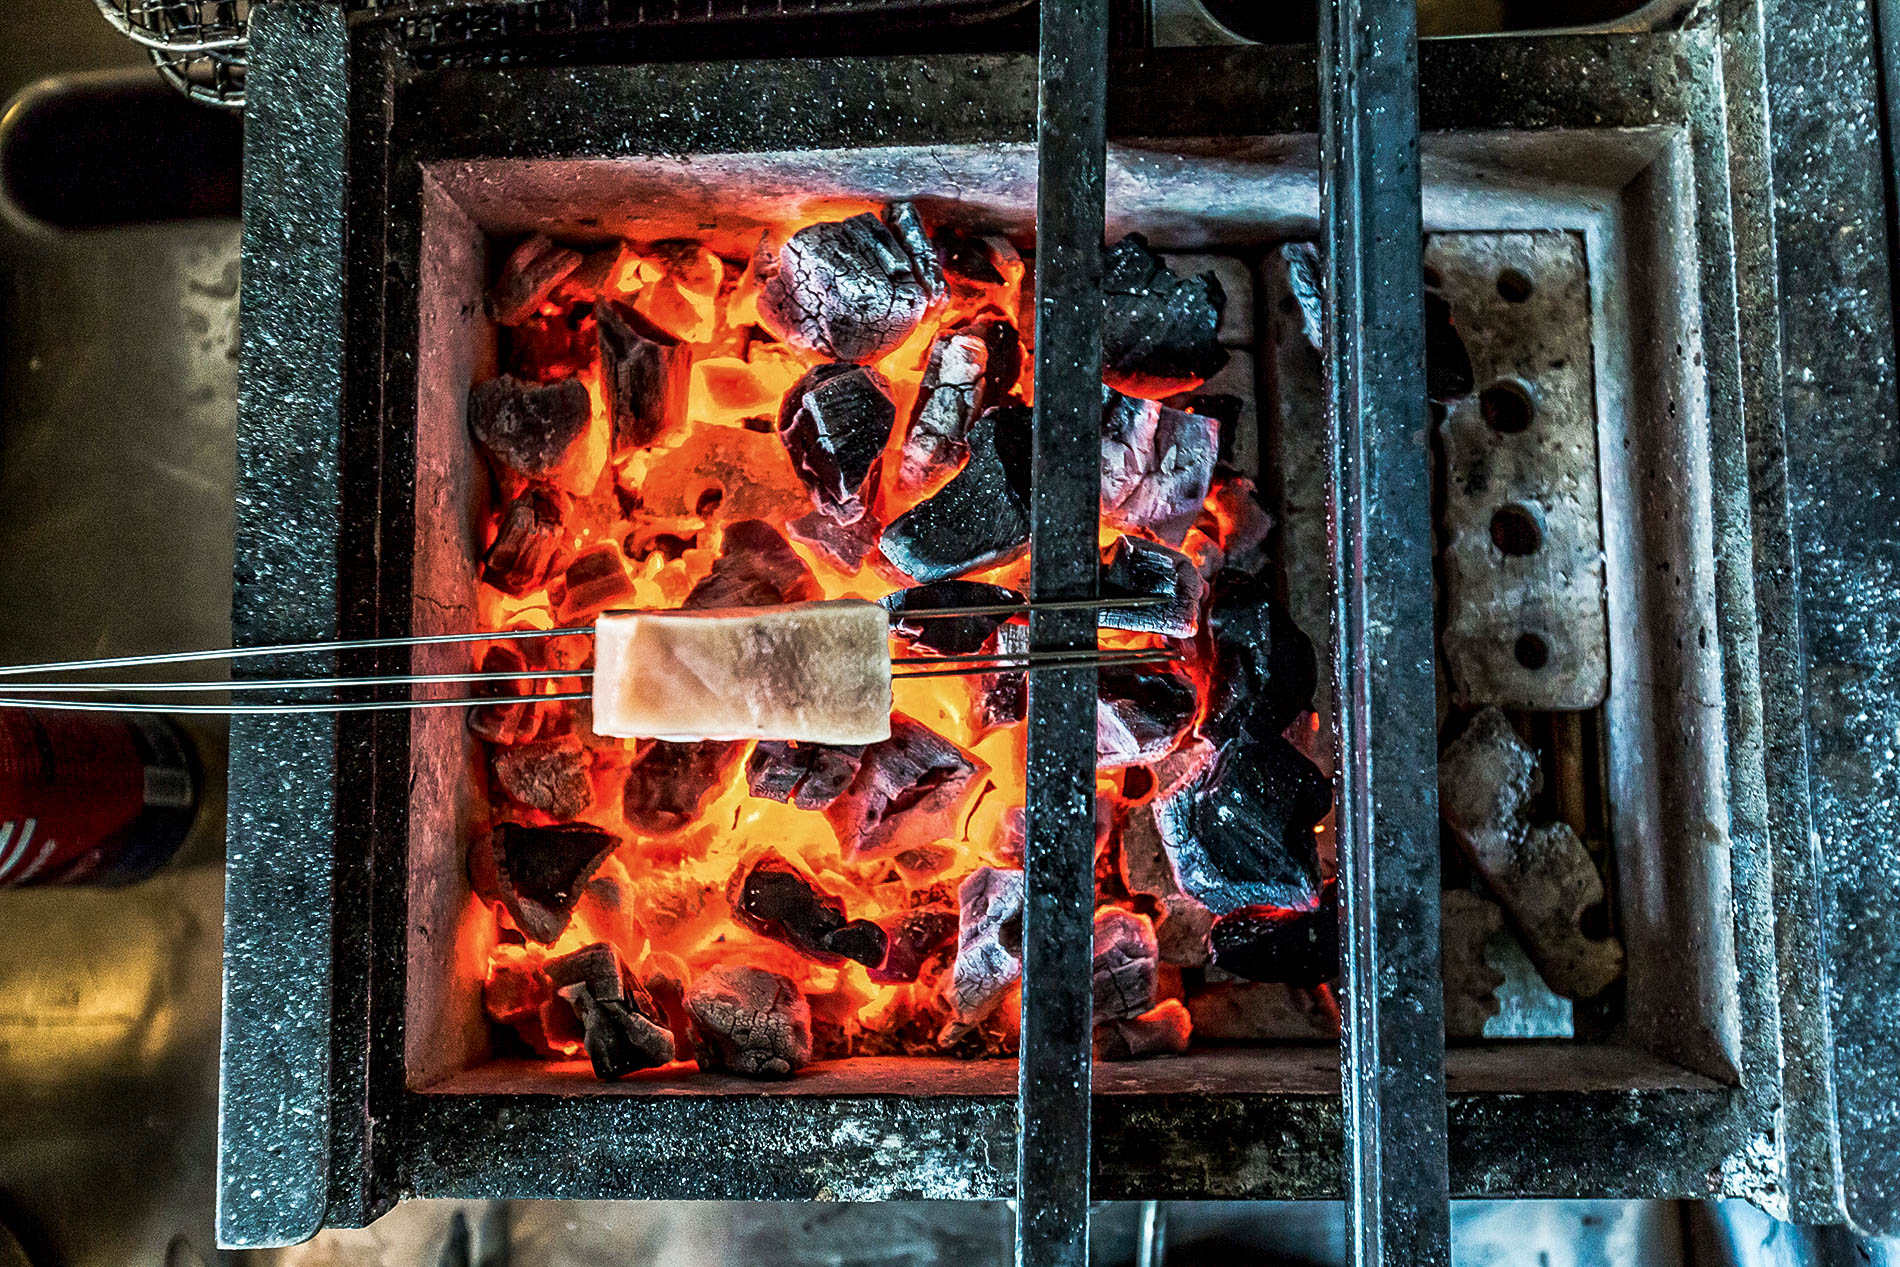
[{"x": 656, "y": 515}]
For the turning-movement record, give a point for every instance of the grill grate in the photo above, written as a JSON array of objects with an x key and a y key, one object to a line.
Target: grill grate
[{"x": 200, "y": 46}]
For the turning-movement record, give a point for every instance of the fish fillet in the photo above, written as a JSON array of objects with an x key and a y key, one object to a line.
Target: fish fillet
[{"x": 815, "y": 672}]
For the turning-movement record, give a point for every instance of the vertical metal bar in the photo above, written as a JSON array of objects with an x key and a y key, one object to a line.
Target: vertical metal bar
[
  {"x": 1392, "y": 1067},
  {"x": 1059, "y": 854}
]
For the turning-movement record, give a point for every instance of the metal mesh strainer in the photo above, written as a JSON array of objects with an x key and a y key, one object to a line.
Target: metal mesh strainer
[{"x": 197, "y": 45}]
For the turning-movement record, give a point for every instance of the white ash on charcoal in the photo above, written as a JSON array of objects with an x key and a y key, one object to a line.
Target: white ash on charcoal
[
  {"x": 1140, "y": 714},
  {"x": 775, "y": 899},
  {"x": 969, "y": 371},
  {"x": 983, "y": 273},
  {"x": 540, "y": 872},
  {"x": 948, "y": 635},
  {"x": 669, "y": 784},
  {"x": 749, "y": 1021},
  {"x": 981, "y": 517},
  {"x": 989, "y": 949},
  {"x": 1297, "y": 946},
  {"x": 1231, "y": 1011},
  {"x": 1466, "y": 920},
  {"x": 1139, "y": 568},
  {"x": 1542, "y": 874},
  {"x": 806, "y": 775},
  {"x": 1231, "y": 398},
  {"x": 842, "y": 290},
  {"x": 593, "y": 581},
  {"x": 532, "y": 429},
  {"x": 528, "y": 277},
  {"x": 1002, "y": 699},
  {"x": 1164, "y": 1030},
  {"x": 1241, "y": 834},
  {"x": 817, "y": 672},
  {"x": 907, "y": 227},
  {"x": 623, "y": 1030},
  {"x": 644, "y": 375},
  {"x": 525, "y": 545},
  {"x": 1182, "y": 922},
  {"x": 911, "y": 789},
  {"x": 914, "y": 939},
  {"x": 1264, "y": 671},
  {"x": 1123, "y": 972},
  {"x": 1157, "y": 466},
  {"x": 756, "y": 567},
  {"x": 1159, "y": 331},
  {"x": 835, "y": 422},
  {"x": 550, "y": 777}
]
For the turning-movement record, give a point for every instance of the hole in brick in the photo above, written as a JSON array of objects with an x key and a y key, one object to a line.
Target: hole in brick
[
  {"x": 1513, "y": 286},
  {"x": 1531, "y": 651},
  {"x": 1515, "y": 530},
  {"x": 1506, "y": 407}
]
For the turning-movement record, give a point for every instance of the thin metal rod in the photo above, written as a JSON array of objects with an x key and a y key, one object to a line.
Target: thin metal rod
[
  {"x": 1050, "y": 663},
  {"x": 288, "y": 684},
  {"x": 1392, "y": 1059},
  {"x": 267, "y": 710},
  {"x": 501, "y": 635},
  {"x": 1101, "y": 654}
]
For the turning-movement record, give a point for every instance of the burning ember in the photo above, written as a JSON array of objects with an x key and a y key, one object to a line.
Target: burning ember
[{"x": 846, "y": 414}]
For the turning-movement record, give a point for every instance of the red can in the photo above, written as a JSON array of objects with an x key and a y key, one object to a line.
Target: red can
[{"x": 87, "y": 798}]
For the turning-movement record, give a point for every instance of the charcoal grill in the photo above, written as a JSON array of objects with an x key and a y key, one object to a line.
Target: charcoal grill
[{"x": 1730, "y": 193}]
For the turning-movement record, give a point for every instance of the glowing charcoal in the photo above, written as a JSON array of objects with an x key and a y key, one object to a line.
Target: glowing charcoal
[
  {"x": 979, "y": 518},
  {"x": 644, "y": 374},
  {"x": 1158, "y": 330},
  {"x": 533, "y": 429},
  {"x": 835, "y": 422},
  {"x": 844, "y": 291},
  {"x": 1139, "y": 568},
  {"x": 816, "y": 672},
  {"x": 529, "y": 276}
]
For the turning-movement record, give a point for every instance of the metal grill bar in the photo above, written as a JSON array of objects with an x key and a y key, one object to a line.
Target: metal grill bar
[
  {"x": 1392, "y": 1065},
  {"x": 1059, "y": 853}
]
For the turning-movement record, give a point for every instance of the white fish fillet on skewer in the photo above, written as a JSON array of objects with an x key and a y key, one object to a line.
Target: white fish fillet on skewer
[{"x": 816, "y": 672}]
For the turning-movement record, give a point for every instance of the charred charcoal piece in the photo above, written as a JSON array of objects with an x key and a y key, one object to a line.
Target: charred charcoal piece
[
  {"x": 913, "y": 938},
  {"x": 1224, "y": 408},
  {"x": 756, "y": 568},
  {"x": 1126, "y": 966},
  {"x": 844, "y": 545},
  {"x": 1297, "y": 946},
  {"x": 1157, "y": 466},
  {"x": 622, "y": 1029},
  {"x": 979, "y": 518},
  {"x": 835, "y": 422},
  {"x": 908, "y": 228},
  {"x": 550, "y": 777},
  {"x": 513, "y": 722},
  {"x": 530, "y": 428},
  {"x": 775, "y": 899},
  {"x": 1159, "y": 331},
  {"x": 948, "y": 635},
  {"x": 1241, "y": 833},
  {"x": 749, "y": 1021},
  {"x": 1140, "y": 714},
  {"x": 1162, "y": 1031},
  {"x": 644, "y": 374},
  {"x": 1146, "y": 870},
  {"x": 1139, "y": 568},
  {"x": 1542, "y": 875},
  {"x": 670, "y": 783},
  {"x": 910, "y": 790},
  {"x": 1466, "y": 921},
  {"x": 843, "y": 290},
  {"x": 969, "y": 371},
  {"x": 595, "y": 580},
  {"x": 1240, "y": 521},
  {"x": 542, "y": 870},
  {"x": 1002, "y": 699},
  {"x": 528, "y": 277},
  {"x": 551, "y": 346},
  {"x": 529, "y": 536},
  {"x": 514, "y": 995},
  {"x": 808, "y": 775},
  {"x": 982, "y": 272},
  {"x": 989, "y": 948},
  {"x": 1264, "y": 672}
]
